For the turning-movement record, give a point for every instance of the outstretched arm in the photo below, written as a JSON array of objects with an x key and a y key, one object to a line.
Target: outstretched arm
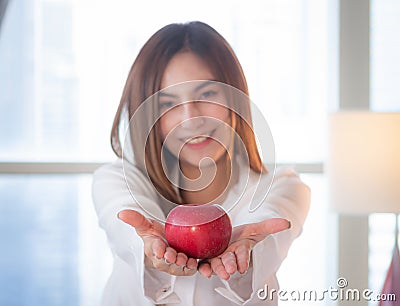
[
  {"x": 261, "y": 239},
  {"x": 238, "y": 254}
]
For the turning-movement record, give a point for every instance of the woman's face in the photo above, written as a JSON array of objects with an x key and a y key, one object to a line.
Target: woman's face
[{"x": 193, "y": 130}]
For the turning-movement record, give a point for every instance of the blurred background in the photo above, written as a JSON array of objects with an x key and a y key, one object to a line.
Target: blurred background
[{"x": 63, "y": 65}]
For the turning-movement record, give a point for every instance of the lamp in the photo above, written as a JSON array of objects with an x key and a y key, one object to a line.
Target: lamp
[{"x": 364, "y": 171}]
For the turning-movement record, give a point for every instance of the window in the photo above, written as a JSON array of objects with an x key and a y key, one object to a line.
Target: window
[
  {"x": 52, "y": 250},
  {"x": 385, "y": 50}
]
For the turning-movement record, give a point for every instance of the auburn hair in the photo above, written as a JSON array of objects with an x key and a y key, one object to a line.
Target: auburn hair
[{"x": 144, "y": 80}]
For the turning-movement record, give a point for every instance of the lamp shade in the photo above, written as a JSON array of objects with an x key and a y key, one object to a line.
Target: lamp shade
[{"x": 364, "y": 162}]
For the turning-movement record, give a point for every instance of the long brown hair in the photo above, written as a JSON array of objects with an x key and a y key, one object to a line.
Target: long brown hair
[{"x": 144, "y": 80}]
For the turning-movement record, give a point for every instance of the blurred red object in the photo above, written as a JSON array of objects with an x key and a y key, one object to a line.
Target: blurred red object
[{"x": 391, "y": 287}]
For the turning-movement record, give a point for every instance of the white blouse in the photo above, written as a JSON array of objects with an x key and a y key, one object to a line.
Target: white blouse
[{"x": 132, "y": 283}]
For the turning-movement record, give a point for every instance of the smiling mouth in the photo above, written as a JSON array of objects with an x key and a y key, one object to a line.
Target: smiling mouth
[{"x": 197, "y": 139}]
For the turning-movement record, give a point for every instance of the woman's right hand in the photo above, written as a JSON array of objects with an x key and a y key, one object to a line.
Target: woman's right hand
[{"x": 157, "y": 252}]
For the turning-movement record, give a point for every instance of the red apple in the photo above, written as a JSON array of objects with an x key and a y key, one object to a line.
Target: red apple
[{"x": 198, "y": 230}]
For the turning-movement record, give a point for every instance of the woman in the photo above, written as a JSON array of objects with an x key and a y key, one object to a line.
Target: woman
[{"x": 190, "y": 140}]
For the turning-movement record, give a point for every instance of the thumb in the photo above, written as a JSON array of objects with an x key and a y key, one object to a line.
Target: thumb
[
  {"x": 274, "y": 225},
  {"x": 136, "y": 220},
  {"x": 264, "y": 228}
]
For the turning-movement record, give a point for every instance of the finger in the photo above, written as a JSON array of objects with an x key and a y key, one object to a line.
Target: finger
[
  {"x": 159, "y": 264},
  {"x": 170, "y": 255},
  {"x": 181, "y": 259},
  {"x": 158, "y": 247},
  {"x": 275, "y": 225},
  {"x": 192, "y": 264},
  {"x": 172, "y": 269},
  {"x": 181, "y": 270},
  {"x": 219, "y": 269},
  {"x": 135, "y": 219},
  {"x": 229, "y": 262},
  {"x": 188, "y": 272},
  {"x": 242, "y": 258},
  {"x": 205, "y": 269}
]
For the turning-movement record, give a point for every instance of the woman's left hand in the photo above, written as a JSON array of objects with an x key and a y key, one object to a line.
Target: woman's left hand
[{"x": 237, "y": 256}]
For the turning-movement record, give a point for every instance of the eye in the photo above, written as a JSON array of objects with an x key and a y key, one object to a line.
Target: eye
[
  {"x": 165, "y": 104},
  {"x": 208, "y": 94}
]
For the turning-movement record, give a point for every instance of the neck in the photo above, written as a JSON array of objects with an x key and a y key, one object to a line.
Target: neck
[{"x": 206, "y": 184}]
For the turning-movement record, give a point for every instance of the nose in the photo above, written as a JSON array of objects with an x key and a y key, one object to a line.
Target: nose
[{"x": 191, "y": 117}]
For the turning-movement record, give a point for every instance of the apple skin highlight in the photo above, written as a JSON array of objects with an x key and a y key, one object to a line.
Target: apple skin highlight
[{"x": 198, "y": 230}]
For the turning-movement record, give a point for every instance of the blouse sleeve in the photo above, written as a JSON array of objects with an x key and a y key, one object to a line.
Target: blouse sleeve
[
  {"x": 111, "y": 195},
  {"x": 288, "y": 198}
]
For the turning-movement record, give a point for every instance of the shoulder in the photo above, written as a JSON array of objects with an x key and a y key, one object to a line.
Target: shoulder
[
  {"x": 280, "y": 185},
  {"x": 121, "y": 175},
  {"x": 119, "y": 169},
  {"x": 276, "y": 178},
  {"x": 278, "y": 193},
  {"x": 287, "y": 175},
  {"x": 289, "y": 189}
]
